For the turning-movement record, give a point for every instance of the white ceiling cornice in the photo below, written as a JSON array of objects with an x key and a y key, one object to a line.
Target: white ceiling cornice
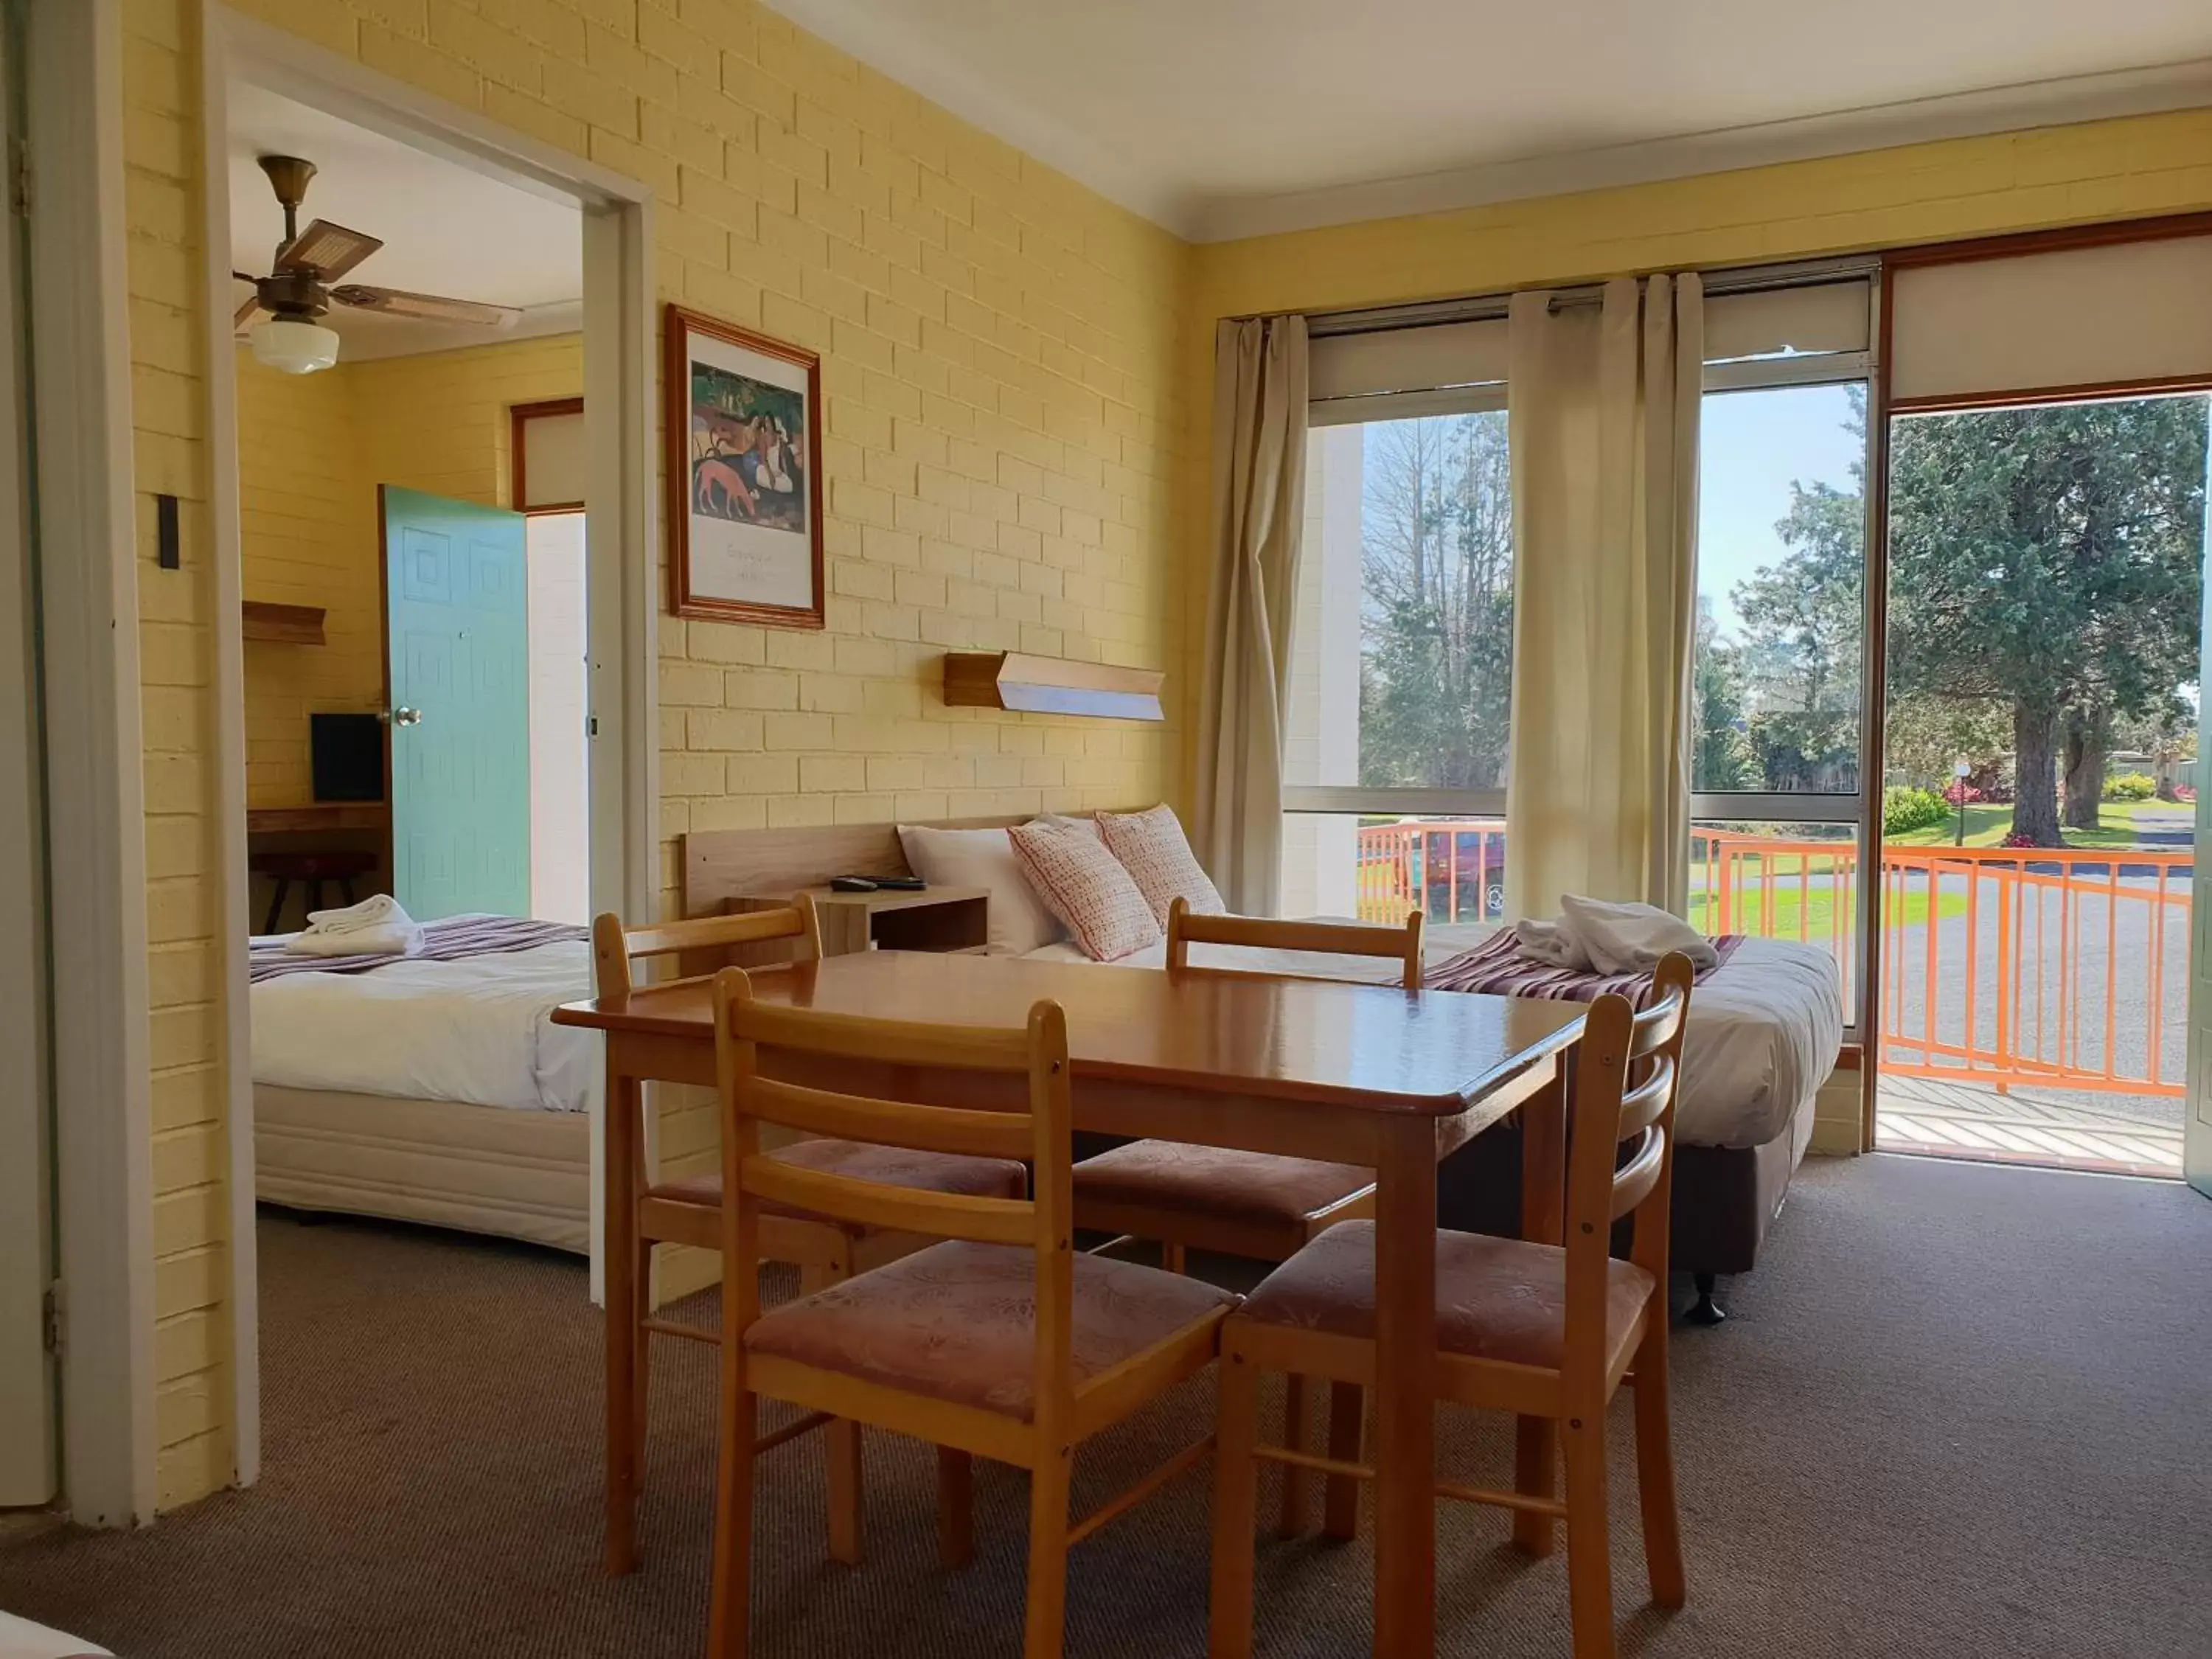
[
  {"x": 939, "y": 73},
  {"x": 903, "y": 42},
  {"x": 1812, "y": 137}
]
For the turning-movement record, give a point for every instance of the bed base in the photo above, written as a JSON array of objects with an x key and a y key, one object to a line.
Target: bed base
[{"x": 475, "y": 1168}]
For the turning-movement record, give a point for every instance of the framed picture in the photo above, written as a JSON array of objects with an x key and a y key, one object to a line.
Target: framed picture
[{"x": 744, "y": 417}]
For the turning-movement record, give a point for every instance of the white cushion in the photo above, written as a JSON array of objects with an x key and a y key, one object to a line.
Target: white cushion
[
  {"x": 1018, "y": 921},
  {"x": 21, "y": 1639},
  {"x": 1085, "y": 886},
  {"x": 1152, "y": 847}
]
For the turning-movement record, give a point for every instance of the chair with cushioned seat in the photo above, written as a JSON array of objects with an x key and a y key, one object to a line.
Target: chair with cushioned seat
[
  {"x": 1249, "y": 1204},
  {"x": 1000, "y": 1342},
  {"x": 1545, "y": 1332},
  {"x": 687, "y": 1209}
]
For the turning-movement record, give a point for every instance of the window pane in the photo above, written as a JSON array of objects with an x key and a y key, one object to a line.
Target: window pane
[
  {"x": 1343, "y": 864},
  {"x": 1402, "y": 664},
  {"x": 1781, "y": 590},
  {"x": 1792, "y": 881}
]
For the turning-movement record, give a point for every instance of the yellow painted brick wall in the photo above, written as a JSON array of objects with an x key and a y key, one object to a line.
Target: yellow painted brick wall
[
  {"x": 312, "y": 450},
  {"x": 1965, "y": 187},
  {"x": 1002, "y": 360}
]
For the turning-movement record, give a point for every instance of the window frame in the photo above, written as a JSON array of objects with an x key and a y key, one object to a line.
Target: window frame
[{"x": 1861, "y": 807}]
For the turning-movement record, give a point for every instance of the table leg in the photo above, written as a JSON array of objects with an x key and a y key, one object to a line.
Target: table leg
[
  {"x": 1543, "y": 1219},
  {"x": 620, "y": 1247},
  {"x": 1406, "y": 1366}
]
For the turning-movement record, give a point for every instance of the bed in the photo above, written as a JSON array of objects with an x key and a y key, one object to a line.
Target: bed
[
  {"x": 1765, "y": 1033},
  {"x": 431, "y": 1090}
]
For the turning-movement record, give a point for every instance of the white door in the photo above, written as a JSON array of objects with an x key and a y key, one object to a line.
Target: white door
[
  {"x": 27, "y": 1372},
  {"x": 2197, "y": 1127}
]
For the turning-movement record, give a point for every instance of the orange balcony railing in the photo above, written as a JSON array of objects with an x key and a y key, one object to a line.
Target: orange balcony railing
[{"x": 2065, "y": 967}]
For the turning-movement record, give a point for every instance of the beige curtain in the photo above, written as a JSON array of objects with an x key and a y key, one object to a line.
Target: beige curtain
[
  {"x": 1259, "y": 504},
  {"x": 1603, "y": 412}
]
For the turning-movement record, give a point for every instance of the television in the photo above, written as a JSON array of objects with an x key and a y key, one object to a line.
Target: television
[{"x": 347, "y": 756}]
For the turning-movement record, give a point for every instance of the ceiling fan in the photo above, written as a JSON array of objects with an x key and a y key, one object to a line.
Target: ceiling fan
[{"x": 298, "y": 290}]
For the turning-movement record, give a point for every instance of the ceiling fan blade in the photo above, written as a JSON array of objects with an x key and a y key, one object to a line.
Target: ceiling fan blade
[
  {"x": 428, "y": 307},
  {"x": 328, "y": 250},
  {"x": 244, "y": 314}
]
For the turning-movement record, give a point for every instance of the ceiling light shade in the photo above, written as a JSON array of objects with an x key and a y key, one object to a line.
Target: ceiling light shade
[{"x": 296, "y": 348}]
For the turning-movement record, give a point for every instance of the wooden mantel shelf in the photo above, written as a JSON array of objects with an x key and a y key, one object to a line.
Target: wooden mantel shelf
[
  {"x": 1051, "y": 685},
  {"x": 282, "y": 624}
]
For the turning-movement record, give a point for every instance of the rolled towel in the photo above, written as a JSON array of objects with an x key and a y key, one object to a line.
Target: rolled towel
[
  {"x": 397, "y": 940},
  {"x": 377, "y": 926},
  {"x": 377, "y": 910},
  {"x": 1548, "y": 941},
  {"x": 1631, "y": 939}
]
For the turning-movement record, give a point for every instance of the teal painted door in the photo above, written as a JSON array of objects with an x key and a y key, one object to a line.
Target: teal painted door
[{"x": 457, "y": 633}]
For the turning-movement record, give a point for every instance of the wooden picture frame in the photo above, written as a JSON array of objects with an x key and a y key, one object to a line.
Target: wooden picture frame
[
  {"x": 742, "y": 415},
  {"x": 520, "y": 416}
]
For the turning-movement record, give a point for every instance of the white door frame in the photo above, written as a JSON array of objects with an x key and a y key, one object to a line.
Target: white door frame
[
  {"x": 29, "y": 1464},
  {"x": 88, "y": 613},
  {"x": 618, "y": 386}
]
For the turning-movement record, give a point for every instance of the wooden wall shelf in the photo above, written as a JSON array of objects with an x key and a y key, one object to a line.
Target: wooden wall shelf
[
  {"x": 1051, "y": 685},
  {"x": 282, "y": 624}
]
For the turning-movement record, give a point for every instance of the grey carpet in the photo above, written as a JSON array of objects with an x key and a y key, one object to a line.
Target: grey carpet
[{"x": 1960, "y": 1411}]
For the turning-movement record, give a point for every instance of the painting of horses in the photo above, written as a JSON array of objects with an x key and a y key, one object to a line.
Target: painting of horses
[{"x": 744, "y": 432}]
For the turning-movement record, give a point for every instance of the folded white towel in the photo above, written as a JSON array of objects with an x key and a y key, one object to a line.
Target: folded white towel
[
  {"x": 398, "y": 940},
  {"x": 1631, "y": 939},
  {"x": 377, "y": 910},
  {"x": 1548, "y": 941}
]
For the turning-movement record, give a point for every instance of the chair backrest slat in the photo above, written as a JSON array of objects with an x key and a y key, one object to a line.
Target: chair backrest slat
[
  {"x": 891, "y": 1122},
  {"x": 1620, "y": 1044},
  {"x": 1342, "y": 938},
  {"x": 895, "y": 1209},
  {"x": 615, "y": 947},
  {"x": 752, "y": 1038},
  {"x": 1633, "y": 1181}
]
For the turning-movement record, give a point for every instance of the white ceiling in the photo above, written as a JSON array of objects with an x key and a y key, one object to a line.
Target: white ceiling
[
  {"x": 447, "y": 229},
  {"x": 1222, "y": 117}
]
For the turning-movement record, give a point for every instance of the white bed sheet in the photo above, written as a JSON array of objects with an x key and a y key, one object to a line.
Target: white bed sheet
[
  {"x": 1764, "y": 1028},
  {"x": 476, "y": 1031}
]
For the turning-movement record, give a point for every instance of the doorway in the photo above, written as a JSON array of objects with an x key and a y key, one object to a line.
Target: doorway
[{"x": 2045, "y": 592}]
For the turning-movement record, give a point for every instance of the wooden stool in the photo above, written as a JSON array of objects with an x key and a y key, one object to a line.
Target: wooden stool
[{"x": 311, "y": 871}]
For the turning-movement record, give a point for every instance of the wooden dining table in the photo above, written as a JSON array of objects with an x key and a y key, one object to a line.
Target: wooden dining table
[{"x": 1380, "y": 1077}]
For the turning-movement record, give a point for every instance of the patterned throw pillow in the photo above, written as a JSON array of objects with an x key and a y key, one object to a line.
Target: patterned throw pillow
[
  {"x": 1153, "y": 849},
  {"x": 1080, "y": 883}
]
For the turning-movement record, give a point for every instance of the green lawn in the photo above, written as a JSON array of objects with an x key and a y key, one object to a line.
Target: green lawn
[
  {"x": 1988, "y": 825},
  {"x": 1809, "y": 916}
]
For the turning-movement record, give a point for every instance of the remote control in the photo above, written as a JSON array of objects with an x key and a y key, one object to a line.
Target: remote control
[{"x": 851, "y": 884}]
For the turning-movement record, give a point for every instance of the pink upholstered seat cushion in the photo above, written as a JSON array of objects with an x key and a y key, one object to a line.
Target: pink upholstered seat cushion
[
  {"x": 1085, "y": 886},
  {"x": 1152, "y": 847},
  {"x": 1497, "y": 1298},
  {"x": 890, "y": 1166},
  {"x": 1254, "y": 1188},
  {"x": 957, "y": 1323}
]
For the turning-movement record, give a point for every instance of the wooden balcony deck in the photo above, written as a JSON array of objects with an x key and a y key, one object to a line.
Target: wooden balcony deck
[{"x": 1951, "y": 1120}]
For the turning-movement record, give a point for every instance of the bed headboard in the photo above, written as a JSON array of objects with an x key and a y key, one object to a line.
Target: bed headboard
[{"x": 719, "y": 865}]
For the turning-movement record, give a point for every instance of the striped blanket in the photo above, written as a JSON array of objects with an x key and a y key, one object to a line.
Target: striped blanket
[
  {"x": 453, "y": 940},
  {"x": 1497, "y": 968}
]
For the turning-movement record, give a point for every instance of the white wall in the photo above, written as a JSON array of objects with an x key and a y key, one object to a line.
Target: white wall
[{"x": 560, "y": 823}]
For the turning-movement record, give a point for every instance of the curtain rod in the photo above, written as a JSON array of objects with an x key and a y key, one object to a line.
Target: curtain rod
[{"x": 1491, "y": 308}]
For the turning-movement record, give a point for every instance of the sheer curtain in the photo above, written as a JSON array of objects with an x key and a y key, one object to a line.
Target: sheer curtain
[
  {"x": 1259, "y": 505},
  {"x": 1603, "y": 404}
]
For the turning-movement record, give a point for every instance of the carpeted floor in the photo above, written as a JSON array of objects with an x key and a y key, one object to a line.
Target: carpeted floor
[{"x": 1960, "y": 1411}]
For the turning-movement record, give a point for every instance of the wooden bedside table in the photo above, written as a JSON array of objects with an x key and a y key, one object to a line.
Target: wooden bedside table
[{"x": 952, "y": 919}]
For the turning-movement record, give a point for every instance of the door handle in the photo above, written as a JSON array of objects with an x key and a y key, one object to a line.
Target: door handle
[{"x": 405, "y": 716}]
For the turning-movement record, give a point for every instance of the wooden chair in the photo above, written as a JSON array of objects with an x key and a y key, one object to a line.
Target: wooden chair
[
  {"x": 1001, "y": 1342},
  {"x": 688, "y": 1210},
  {"x": 1549, "y": 1333},
  {"x": 1247, "y": 1204}
]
